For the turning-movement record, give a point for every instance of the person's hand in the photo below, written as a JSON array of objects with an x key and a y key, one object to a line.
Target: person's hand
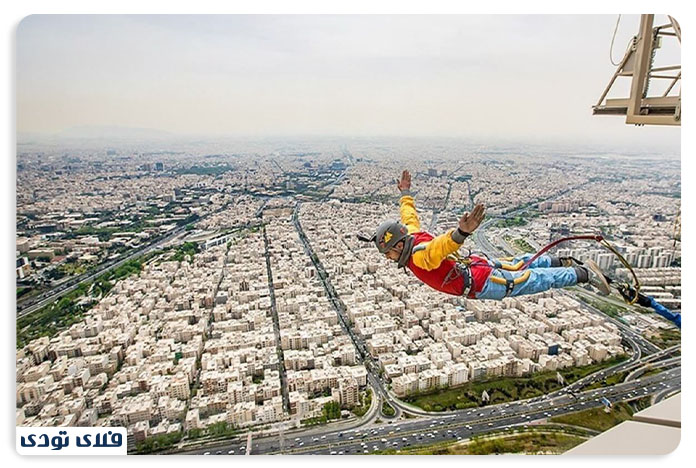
[
  {"x": 470, "y": 221},
  {"x": 405, "y": 182}
]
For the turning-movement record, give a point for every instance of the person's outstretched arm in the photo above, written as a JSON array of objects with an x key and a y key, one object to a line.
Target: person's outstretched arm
[
  {"x": 445, "y": 244},
  {"x": 407, "y": 205}
]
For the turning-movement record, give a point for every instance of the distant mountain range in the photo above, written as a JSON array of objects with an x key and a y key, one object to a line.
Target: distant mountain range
[
  {"x": 98, "y": 132},
  {"x": 105, "y": 135}
]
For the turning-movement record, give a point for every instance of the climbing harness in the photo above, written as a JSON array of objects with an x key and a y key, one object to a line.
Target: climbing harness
[
  {"x": 461, "y": 268},
  {"x": 466, "y": 261}
]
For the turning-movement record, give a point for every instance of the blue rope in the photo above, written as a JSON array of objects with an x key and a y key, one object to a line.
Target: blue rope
[{"x": 665, "y": 312}]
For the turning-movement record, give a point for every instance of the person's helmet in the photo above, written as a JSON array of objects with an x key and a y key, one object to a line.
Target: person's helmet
[{"x": 388, "y": 234}]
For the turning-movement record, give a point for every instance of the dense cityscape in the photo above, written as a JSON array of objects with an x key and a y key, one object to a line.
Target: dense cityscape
[{"x": 211, "y": 296}]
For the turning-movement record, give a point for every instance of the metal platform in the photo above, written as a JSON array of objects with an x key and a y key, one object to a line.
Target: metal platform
[
  {"x": 639, "y": 108},
  {"x": 653, "y": 431}
]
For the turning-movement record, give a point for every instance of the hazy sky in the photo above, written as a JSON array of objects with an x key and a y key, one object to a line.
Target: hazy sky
[{"x": 527, "y": 77}]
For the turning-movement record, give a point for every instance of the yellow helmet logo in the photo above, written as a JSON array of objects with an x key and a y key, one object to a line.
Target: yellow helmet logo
[{"x": 387, "y": 236}]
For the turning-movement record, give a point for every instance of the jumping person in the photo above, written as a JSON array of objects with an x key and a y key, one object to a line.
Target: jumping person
[{"x": 431, "y": 260}]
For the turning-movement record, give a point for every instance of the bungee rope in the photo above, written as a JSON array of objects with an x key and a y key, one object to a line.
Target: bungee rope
[{"x": 555, "y": 243}]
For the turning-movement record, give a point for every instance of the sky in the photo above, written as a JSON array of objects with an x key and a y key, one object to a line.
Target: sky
[{"x": 512, "y": 77}]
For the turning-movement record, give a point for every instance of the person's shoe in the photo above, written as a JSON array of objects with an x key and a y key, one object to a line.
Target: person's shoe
[
  {"x": 596, "y": 278},
  {"x": 569, "y": 262}
]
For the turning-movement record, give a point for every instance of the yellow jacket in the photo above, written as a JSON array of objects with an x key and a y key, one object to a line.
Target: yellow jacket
[{"x": 437, "y": 249}]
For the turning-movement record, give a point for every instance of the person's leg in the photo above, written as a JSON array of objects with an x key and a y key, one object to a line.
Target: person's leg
[
  {"x": 492, "y": 290},
  {"x": 543, "y": 279},
  {"x": 539, "y": 280},
  {"x": 543, "y": 261}
]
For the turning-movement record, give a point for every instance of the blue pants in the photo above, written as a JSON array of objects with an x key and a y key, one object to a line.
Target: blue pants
[{"x": 541, "y": 278}]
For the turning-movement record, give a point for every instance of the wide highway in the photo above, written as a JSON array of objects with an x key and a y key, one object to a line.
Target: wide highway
[{"x": 423, "y": 431}]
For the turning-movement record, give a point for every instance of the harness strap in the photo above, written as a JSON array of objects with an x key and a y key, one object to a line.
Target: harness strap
[
  {"x": 509, "y": 282},
  {"x": 515, "y": 267},
  {"x": 520, "y": 279},
  {"x": 461, "y": 268}
]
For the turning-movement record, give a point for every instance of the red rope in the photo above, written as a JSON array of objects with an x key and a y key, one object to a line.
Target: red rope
[{"x": 555, "y": 243}]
